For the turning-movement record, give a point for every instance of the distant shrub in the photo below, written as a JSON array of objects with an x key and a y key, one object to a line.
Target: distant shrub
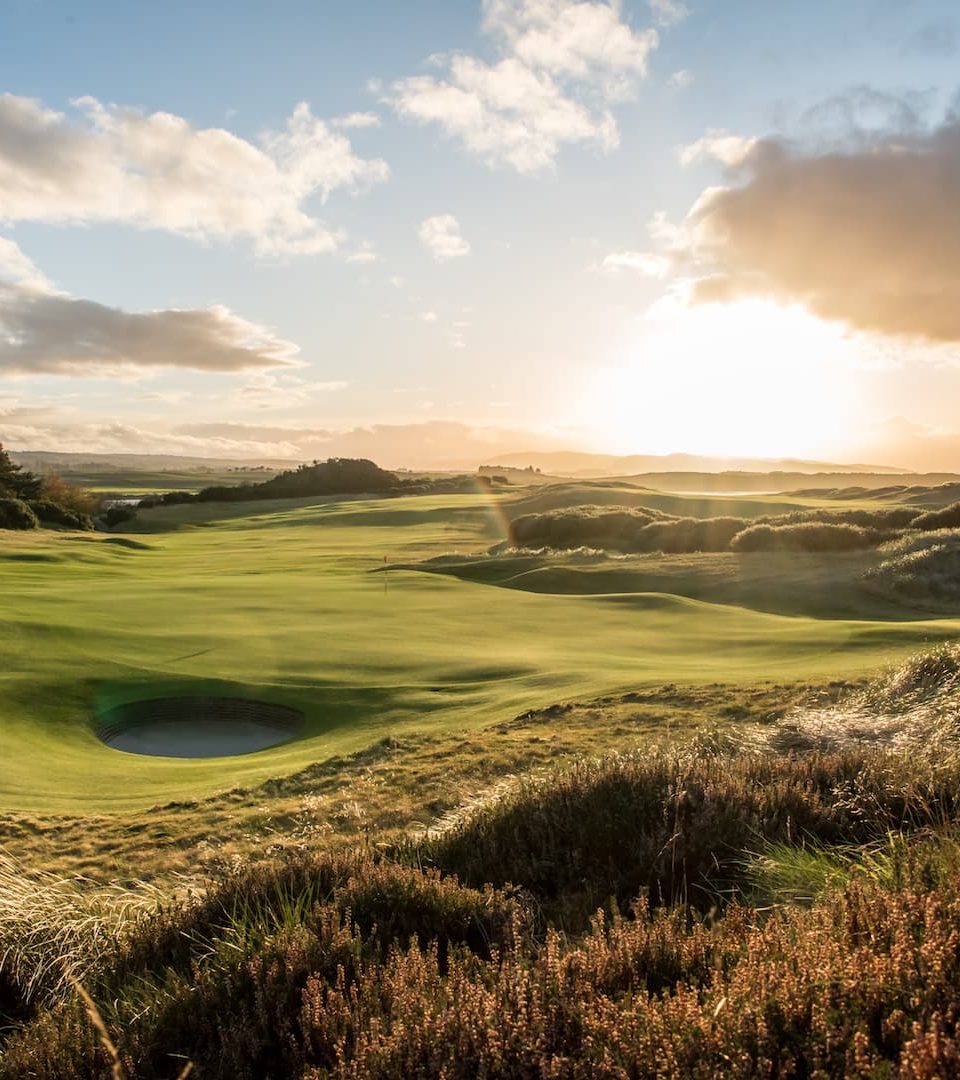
[
  {"x": 921, "y": 566},
  {"x": 168, "y": 498},
  {"x": 807, "y": 536},
  {"x": 612, "y": 528},
  {"x": 331, "y": 477},
  {"x": 52, "y": 513},
  {"x": 685, "y": 535},
  {"x": 946, "y": 518},
  {"x": 118, "y": 515},
  {"x": 55, "y": 489},
  {"x": 898, "y": 517},
  {"x": 16, "y": 514},
  {"x": 640, "y": 530}
]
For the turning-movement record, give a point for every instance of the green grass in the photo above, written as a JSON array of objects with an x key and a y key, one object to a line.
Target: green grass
[{"x": 278, "y": 600}]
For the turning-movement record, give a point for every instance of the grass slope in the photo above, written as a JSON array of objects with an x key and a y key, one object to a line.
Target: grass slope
[{"x": 278, "y": 600}]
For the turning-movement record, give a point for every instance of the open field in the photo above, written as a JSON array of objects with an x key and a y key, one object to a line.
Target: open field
[{"x": 278, "y": 600}]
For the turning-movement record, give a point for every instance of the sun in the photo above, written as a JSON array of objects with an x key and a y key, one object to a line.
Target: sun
[{"x": 749, "y": 378}]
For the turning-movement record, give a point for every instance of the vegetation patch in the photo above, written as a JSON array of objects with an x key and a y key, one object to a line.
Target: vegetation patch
[
  {"x": 644, "y": 529},
  {"x": 27, "y": 501},
  {"x": 650, "y": 915}
]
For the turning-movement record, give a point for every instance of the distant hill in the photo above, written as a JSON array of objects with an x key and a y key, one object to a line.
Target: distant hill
[
  {"x": 737, "y": 483},
  {"x": 44, "y": 460},
  {"x": 575, "y": 464}
]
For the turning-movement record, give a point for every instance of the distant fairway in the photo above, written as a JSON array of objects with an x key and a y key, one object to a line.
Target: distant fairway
[{"x": 277, "y": 600}]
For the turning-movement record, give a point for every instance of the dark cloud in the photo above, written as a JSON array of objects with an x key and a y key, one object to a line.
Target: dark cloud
[{"x": 48, "y": 333}]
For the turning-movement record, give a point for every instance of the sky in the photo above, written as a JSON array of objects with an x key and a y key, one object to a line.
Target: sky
[{"x": 438, "y": 231}]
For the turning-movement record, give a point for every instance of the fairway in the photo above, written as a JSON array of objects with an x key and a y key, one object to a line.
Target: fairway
[{"x": 280, "y": 601}]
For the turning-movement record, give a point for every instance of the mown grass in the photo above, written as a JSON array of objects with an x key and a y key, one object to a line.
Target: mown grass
[{"x": 280, "y": 604}]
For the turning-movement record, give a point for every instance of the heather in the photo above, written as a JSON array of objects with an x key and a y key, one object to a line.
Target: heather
[{"x": 751, "y": 906}]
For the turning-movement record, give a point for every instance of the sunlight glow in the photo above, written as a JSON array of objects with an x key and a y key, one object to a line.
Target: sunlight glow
[{"x": 745, "y": 378}]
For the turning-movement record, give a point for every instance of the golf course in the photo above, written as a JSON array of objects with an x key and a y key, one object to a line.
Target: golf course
[{"x": 375, "y": 617}]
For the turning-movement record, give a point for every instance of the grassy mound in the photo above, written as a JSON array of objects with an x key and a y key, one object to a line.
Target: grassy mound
[
  {"x": 920, "y": 567},
  {"x": 643, "y": 529},
  {"x": 914, "y": 707}
]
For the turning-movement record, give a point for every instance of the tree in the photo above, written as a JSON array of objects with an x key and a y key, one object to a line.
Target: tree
[{"x": 15, "y": 481}]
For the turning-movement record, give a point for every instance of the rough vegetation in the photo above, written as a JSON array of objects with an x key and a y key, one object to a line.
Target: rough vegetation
[
  {"x": 335, "y": 476},
  {"x": 27, "y": 500},
  {"x": 714, "y": 911},
  {"x": 923, "y": 567},
  {"x": 643, "y": 529}
]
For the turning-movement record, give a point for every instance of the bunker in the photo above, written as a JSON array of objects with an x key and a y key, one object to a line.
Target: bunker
[{"x": 198, "y": 727}]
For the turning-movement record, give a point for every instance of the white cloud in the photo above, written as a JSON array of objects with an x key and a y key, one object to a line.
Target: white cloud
[
  {"x": 364, "y": 254},
  {"x": 680, "y": 80},
  {"x": 357, "y": 120},
  {"x": 428, "y": 316},
  {"x": 642, "y": 262},
  {"x": 575, "y": 39},
  {"x": 562, "y": 64},
  {"x": 272, "y": 390},
  {"x": 16, "y": 268},
  {"x": 668, "y": 12},
  {"x": 156, "y": 171},
  {"x": 45, "y": 332},
  {"x": 440, "y": 235},
  {"x": 730, "y": 150}
]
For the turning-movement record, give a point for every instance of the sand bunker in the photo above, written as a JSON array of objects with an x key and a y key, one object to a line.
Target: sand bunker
[{"x": 198, "y": 727}]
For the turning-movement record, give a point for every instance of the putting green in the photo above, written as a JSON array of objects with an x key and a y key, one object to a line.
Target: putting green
[{"x": 277, "y": 601}]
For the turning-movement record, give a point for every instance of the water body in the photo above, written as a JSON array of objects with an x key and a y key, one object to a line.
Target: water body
[{"x": 198, "y": 727}]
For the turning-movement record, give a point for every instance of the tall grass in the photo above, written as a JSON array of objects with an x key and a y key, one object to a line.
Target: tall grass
[
  {"x": 55, "y": 931},
  {"x": 914, "y": 707}
]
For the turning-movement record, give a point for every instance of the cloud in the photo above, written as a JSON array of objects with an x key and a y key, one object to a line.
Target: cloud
[
  {"x": 104, "y": 162},
  {"x": 269, "y": 390},
  {"x": 364, "y": 254},
  {"x": 730, "y": 150},
  {"x": 357, "y": 120},
  {"x": 562, "y": 64},
  {"x": 18, "y": 269},
  {"x": 936, "y": 38},
  {"x": 668, "y": 12},
  {"x": 440, "y": 235},
  {"x": 680, "y": 80},
  {"x": 864, "y": 232},
  {"x": 642, "y": 262},
  {"x": 433, "y": 444},
  {"x": 46, "y": 332},
  {"x": 430, "y": 444}
]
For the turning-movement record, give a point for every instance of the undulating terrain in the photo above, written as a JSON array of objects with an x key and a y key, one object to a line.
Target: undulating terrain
[{"x": 593, "y": 780}]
